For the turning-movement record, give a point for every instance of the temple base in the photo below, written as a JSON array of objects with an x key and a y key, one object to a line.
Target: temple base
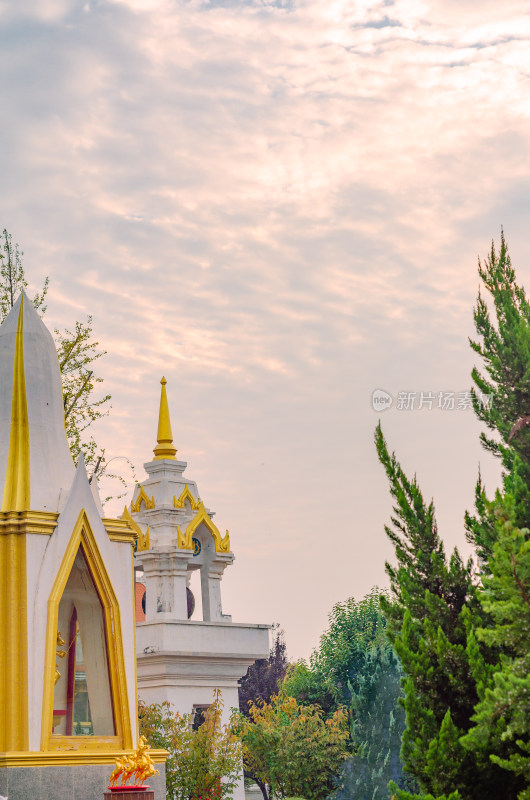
[{"x": 78, "y": 782}]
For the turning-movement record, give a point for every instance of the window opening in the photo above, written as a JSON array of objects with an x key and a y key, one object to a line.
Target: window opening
[
  {"x": 199, "y": 716},
  {"x": 82, "y": 698}
]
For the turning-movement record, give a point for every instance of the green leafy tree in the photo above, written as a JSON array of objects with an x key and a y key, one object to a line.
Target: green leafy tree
[
  {"x": 355, "y": 666},
  {"x": 12, "y": 278},
  {"x": 354, "y": 628},
  {"x": 413, "y": 796},
  {"x": 77, "y": 354},
  {"x": 309, "y": 687},
  {"x": 203, "y": 762},
  {"x": 291, "y": 749}
]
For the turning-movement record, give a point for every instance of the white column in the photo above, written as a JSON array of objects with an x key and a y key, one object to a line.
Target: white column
[
  {"x": 211, "y": 574},
  {"x": 178, "y": 583},
  {"x": 165, "y": 572}
]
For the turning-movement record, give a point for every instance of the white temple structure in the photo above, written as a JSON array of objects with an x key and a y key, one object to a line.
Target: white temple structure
[
  {"x": 68, "y": 701},
  {"x": 182, "y": 659}
]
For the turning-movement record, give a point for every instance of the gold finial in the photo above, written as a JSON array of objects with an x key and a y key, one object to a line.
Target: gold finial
[
  {"x": 165, "y": 447},
  {"x": 17, "y": 482}
]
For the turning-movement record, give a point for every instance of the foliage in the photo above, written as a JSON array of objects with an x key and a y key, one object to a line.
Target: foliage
[
  {"x": 398, "y": 794},
  {"x": 77, "y": 354},
  {"x": 461, "y": 637},
  {"x": 355, "y": 665},
  {"x": 504, "y": 347},
  {"x": 12, "y": 278},
  {"x": 378, "y": 722},
  {"x": 264, "y": 676},
  {"x": 309, "y": 687},
  {"x": 500, "y": 531},
  {"x": 261, "y": 683},
  {"x": 354, "y": 628},
  {"x": 291, "y": 749},
  {"x": 197, "y": 758},
  {"x": 434, "y": 603},
  {"x": 502, "y": 716}
]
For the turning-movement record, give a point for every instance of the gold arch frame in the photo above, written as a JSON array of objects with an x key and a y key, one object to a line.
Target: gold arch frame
[
  {"x": 143, "y": 541},
  {"x": 187, "y": 495},
  {"x": 222, "y": 543},
  {"x": 137, "y": 505},
  {"x": 83, "y": 536}
]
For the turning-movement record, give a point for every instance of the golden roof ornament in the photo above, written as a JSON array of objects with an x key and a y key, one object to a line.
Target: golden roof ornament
[{"x": 165, "y": 447}]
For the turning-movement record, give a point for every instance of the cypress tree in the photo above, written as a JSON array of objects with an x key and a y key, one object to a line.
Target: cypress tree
[
  {"x": 500, "y": 529},
  {"x": 377, "y": 727},
  {"x": 504, "y": 347},
  {"x": 463, "y": 639},
  {"x": 428, "y": 619},
  {"x": 502, "y": 716}
]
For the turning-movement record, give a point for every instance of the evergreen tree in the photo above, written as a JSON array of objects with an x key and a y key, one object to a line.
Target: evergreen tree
[
  {"x": 504, "y": 346},
  {"x": 463, "y": 642},
  {"x": 500, "y": 529},
  {"x": 433, "y": 601},
  {"x": 502, "y": 716},
  {"x": 378, "y": 722}
]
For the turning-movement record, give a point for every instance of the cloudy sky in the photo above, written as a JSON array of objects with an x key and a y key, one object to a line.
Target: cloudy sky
[{"x": 278, "y": 205}]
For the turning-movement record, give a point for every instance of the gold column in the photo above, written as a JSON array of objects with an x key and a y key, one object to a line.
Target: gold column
[{"x": 13, "y": 643}]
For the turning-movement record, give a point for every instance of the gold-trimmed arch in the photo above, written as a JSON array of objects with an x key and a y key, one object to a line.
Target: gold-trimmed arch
[
  {"x": 222, "y": 543},
  {"x": 83, "y": 537},
  {"x": 143, "y": 540},
  {"x": 187, "y": 495},
  {"x": 137, "y": 505}
]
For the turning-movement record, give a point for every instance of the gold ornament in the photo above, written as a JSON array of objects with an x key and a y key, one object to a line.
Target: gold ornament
[
  {"x": 139, "y": 766},
  {"x": 59, "y": 653}
]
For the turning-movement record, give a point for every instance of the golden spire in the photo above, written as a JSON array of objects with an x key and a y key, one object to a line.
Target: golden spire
[
  {"x": 165, "y": 447},
  {"x": 17, "y": 483}
]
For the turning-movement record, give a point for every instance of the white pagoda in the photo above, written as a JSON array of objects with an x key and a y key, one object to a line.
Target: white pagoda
[{"x": 182, "y": 659}]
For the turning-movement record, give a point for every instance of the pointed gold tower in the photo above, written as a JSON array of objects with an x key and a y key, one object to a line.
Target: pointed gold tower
[
  {"x": 17, "y": 480},
  {"x": 165, "y": 447}
]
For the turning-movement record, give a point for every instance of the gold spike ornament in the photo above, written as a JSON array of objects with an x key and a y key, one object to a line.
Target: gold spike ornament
[
  {"x": 17, "y": 483},
  {"x": 165, "y": 447}
]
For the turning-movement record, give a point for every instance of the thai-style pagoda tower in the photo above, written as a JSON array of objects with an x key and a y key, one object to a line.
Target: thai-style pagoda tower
[
  {"x": 67, "y": 636},
  {"x": 180, "y": 658}
]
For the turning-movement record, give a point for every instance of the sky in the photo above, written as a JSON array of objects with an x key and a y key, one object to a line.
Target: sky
[{"x": 279, "y": 205}]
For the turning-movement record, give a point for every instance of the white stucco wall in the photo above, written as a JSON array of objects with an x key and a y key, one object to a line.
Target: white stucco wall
[{"x": 44, "y": 558}]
